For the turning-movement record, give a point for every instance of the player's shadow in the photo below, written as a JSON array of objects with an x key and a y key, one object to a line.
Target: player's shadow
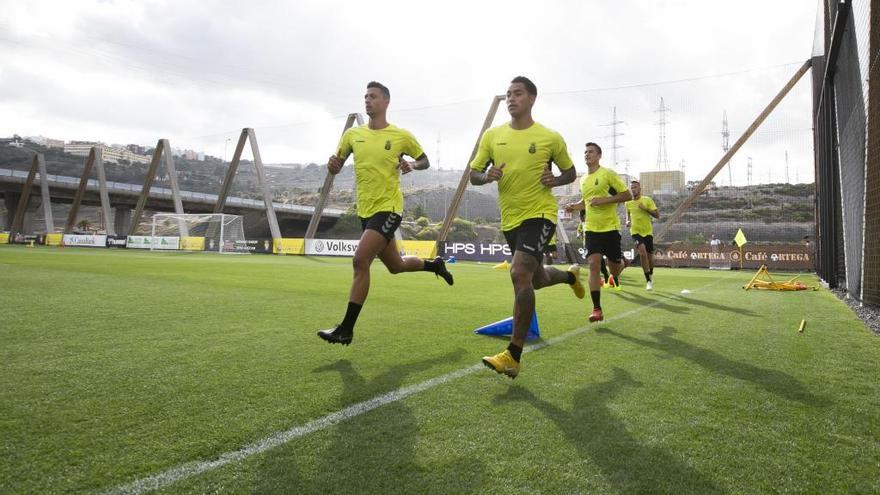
[
  {"x": 773, "y": 381},
  {"x": 602, "y": 438},
  {"x": 706, "y": 304},
  {"x": 646, "y": 301},
  {"x": 375, "y": 452}
]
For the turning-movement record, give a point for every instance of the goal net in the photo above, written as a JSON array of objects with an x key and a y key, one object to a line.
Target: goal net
[{"x": 216, "y": 232}]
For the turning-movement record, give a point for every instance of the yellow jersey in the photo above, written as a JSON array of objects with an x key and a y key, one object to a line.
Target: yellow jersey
[
  {"x": 642, "y": 222},
  {"x": 525, "y": 154},
  {"x": 602, "y": 183},
  {"x": 376, "y": 152}
]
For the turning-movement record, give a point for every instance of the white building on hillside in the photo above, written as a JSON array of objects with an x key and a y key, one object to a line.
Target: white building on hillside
[{"x": 110, "y": 153}]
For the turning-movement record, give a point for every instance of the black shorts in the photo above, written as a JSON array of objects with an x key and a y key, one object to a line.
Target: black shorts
[
  {"x": 606, "y": 243},
  {"x": 384, "y": 222},
  {"x": 531, "y": 237},
  {"x": 647, "y": 240},
  {"x": 549, "y": 248}
]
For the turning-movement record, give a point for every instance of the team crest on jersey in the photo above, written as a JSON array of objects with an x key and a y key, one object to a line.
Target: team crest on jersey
[
  {"x": 532, "y": 149},
  {"x": 388, "y": 144}
]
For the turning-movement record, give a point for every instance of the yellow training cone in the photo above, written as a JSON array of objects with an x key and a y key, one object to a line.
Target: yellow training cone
[{"x": 504, "y": 265}]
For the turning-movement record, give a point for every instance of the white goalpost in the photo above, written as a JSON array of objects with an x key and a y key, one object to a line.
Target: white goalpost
[{"x": 214, "y": 232}]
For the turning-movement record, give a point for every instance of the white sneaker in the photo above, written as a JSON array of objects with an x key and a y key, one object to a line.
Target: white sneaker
[{"x": 649, "y": 286}]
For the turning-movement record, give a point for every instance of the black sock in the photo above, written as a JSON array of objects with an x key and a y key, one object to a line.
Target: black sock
[
  {"x": 351, "y": 315},
  {"x": 570, "y": 279},
  {"x": 604, "y": 270},
  {"x": 651, "y": 272},
  {"x": 648, "y": 276},
  {"x": 594, "y": 295},
  {"x": 515, "y": 351},
  {"x": 431, "y": 266}
]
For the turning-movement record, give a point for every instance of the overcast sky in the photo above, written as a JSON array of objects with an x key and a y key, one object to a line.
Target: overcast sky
[{"x": 197, "y": 72}]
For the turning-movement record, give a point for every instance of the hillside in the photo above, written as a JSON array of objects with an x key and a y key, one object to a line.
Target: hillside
[{"x": 772, "y": 212}]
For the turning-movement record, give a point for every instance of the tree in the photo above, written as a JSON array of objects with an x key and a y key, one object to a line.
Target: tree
[
  {"x": 427, "y": 234},
  {"x": 347, "y": 227},
  {"x": 418, "y": 211},
  {"x": 462, "y": 231}
]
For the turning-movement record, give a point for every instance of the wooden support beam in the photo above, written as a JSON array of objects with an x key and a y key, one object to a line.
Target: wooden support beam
[
  {"x": 44, "y": 192},
  {"x": 171, "y": 170},
  {"x": 264, "y": 186},
  {"x": 109, "y": 226},
  {"x": 80, "y": 191},
  {"x": 145, "y": 189},
  {"x": 452, "y": 211},
  {"x": 162, "y": 146},
  {"x": 248, "y": 134},
  {"x": 328, "y": 183},
  {"x": 683, "y": 207},
  {"x": 230, "y": 172},
  {"x": 18, "y": 219}
]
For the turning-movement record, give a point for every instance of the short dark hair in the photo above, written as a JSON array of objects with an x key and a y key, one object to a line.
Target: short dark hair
[
  {"x": 380, "y": 86},
  {"x": 635, "y": 182},
  {"x": 530, "y": 86},
  {"x": 595, "y": 146}
]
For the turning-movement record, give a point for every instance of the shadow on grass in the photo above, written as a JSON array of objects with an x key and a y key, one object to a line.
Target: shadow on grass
[
  {"x": 773, "y": 381},
  {"x": 371, "y": 453},
  {"x": 628, "y": 465},
  {"x": 645, "y": 301},
  {"x": 706, "y": 304}
]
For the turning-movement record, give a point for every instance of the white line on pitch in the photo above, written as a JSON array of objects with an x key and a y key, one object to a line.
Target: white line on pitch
[{"x": 190, "y": 469}]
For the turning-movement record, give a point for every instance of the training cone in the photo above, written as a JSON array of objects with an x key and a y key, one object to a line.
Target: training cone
[
  {"x": 504, "y": 265},
  {"x": 505, "y": 327}
]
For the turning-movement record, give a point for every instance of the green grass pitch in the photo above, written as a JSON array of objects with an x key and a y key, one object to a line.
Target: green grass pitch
[{"x": 117, "y": 366}]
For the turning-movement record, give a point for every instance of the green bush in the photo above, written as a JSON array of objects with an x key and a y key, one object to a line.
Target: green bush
[
  {"x": 347, "y": 227},
  {"x": 427, "y": 234},
  {"x": 462, "y": 231}
]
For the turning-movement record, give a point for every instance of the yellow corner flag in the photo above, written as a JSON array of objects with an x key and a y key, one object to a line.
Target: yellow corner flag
[{"x": 740, "y": 238}]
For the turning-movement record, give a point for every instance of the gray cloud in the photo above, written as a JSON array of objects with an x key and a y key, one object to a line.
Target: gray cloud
[{"x": 197, "y": 72}]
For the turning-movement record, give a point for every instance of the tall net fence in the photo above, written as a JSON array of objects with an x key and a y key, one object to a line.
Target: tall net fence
[
  {"x": 871, "y": 276},
  {"x": 845, "y": 91}
]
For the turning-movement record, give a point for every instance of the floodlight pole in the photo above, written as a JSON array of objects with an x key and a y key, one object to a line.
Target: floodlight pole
[
  {"x": 465, "y": 177},
  {"x": 732, "y": 151}
]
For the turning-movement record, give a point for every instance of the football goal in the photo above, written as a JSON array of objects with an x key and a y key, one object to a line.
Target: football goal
[{"x": 215, "y": 232}]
